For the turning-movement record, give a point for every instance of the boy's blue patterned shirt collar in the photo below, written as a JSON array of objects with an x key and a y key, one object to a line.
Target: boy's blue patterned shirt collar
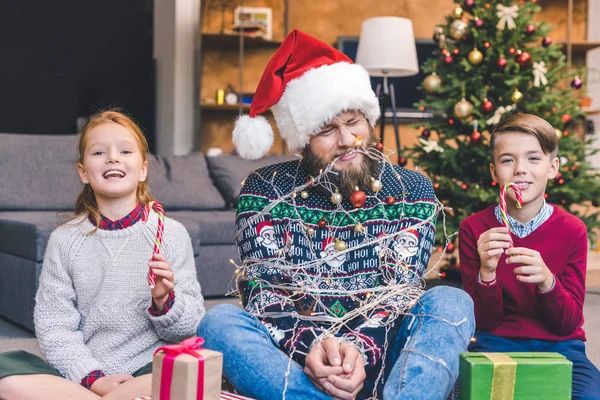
[{"x": 520, "y": 230}]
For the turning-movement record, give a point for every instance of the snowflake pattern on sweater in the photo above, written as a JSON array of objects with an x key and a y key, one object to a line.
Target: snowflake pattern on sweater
[{"x": 273, "y": 233}]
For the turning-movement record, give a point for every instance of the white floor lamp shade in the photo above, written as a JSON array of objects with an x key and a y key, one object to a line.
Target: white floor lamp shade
[{"x": 387, "y": 47}]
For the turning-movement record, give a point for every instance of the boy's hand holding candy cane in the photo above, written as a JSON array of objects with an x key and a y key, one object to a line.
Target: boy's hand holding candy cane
[{"x": 492, "y": 244}]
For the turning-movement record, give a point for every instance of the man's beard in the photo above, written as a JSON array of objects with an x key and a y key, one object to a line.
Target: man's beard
[{"x": 344, "y": 180}]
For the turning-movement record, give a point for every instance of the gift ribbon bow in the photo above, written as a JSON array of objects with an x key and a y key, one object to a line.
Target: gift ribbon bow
[
  {"x": 539, "y": 74},
  {"x": 431, "y": 145},
  {"x": 507, "y": 16},
  {"x": 504, "y": 375},
  {"x": 172, "y": 351}
]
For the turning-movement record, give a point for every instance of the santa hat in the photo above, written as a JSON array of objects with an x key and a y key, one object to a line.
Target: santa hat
[
  {"x": 328, "y": 242},
  {"x": 413, "y": 233},
  {"x": 262, "y": 226},
  {"x": 307, "y": 83}
]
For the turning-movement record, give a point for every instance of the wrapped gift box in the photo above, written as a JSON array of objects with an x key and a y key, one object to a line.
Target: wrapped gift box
[
  {"x": 184, "y": 378},
  {"x": 515, "y": 375}
]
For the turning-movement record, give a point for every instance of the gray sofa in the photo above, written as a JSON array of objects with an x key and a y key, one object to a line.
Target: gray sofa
[{"x": 38, "y": 181}]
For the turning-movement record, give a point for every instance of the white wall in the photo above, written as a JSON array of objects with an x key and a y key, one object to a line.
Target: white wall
[
  {"x": 176, "y": 27},
  {"x": 593, "y": 65}
]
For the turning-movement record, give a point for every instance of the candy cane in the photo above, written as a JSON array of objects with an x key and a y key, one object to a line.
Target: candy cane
[
  {"x": 504, "y": 208},
  {"x": 159, "y": 232}
]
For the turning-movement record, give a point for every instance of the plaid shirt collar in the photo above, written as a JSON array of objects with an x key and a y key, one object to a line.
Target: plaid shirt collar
[
  {"x": 521, "y": 230},
  {"x": 125, "y": 222}
]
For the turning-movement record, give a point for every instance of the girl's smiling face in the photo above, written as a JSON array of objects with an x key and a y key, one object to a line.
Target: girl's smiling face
[{"x": 112, "y": 162}]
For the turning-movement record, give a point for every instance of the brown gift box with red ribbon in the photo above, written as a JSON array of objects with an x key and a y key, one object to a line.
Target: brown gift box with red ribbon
[{"x": 186, "y": 371}]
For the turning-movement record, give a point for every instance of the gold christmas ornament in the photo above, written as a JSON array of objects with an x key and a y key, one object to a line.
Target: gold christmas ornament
[
  {"x": 458, "y": 29},
  {"x": 463, "y": 109},
  {"x": 457, "y": 13},
  {"x": 336, "y": 198},
  {"x": 340, "y": 245},
  {"x": 475, "y": 56},
  {"x": 359, "y": 228},
  {"x": 559, "y": 133},
  {"x": 432, "y": 83},
  {"x": 310, "y": 231},
  {"x": 376, "y": 185},
  {"x": 517, "y": 96},
  {"x": 304, "y": 194}
]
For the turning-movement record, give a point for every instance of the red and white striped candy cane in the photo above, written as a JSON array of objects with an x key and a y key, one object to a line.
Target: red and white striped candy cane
[
  {"x": 504, "y": 208},
  {"x": 159, "y": 233}
]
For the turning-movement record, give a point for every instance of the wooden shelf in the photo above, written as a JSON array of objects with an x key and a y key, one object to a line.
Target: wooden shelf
[
  {"x": 591, "y": 111},
  {"x": 217, "y": 40},
  {"x": 580, "y": 46},
  {"x": 224, "y": 107}
]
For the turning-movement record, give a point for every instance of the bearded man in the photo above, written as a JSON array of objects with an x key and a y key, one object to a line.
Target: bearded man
[{"x": 347, "y": 319}]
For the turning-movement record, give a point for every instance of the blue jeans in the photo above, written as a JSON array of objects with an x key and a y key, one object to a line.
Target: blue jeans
[
  {"x": 422, "y": 362},
  {"x": 586, "y": 377}
]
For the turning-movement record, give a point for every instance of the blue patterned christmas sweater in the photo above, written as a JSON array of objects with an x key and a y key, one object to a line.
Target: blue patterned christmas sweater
[{"x": 277, "y": 232}]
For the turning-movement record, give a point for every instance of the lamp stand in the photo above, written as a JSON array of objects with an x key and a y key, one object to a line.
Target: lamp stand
[{"x": 388, "y": 97}]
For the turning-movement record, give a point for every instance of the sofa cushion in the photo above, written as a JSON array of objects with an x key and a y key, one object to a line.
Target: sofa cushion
[
  {"x": 38, "y": 172},
  {"x": 229, "y": 171},
  {"x": 216, "y": 227},
  {"x": 182, "y": 182}
]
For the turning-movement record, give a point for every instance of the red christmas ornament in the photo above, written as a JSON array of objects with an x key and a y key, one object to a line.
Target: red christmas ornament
[
  {"x": 478, "y": 23},
  {"x": 402, "y": 161},
  {"x": 390, "y": 201},
  {"x": 494, "y": 183},
  {"x": 524, "y": 59},
  {"x": 475, "y": 136},
  {"x": 451, "y": 247},
  {"x": 468, "y": 4},
  {"x": 576, "y": 83},
  {"x": 464, "y": 186},
  {"x": 547, "y": 41},
  {"x": 447, "y": 59},
  {"x": 501, "y": 63},
  {"x": 530, "y": 29},
  {"x": 436, "y": 185},
  {"x": 511, "y": 50},
  {"x": 487, "y": 106},
  {"x": 379, "y": 146},
  {"x": 322, "y": 224},
  {"x": 558, "y": 176},
  {"x": 426, "y": 134},
  {"x": 358, "y": 197},
  {"x": 566, "y": 118}
]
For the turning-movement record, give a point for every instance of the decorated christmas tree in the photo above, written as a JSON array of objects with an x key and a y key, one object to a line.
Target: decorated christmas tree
[{"x": 493, "y": 61}]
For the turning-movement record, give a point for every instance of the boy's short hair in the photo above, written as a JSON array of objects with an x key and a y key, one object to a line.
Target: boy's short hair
[{"x": 531, "y": 125}]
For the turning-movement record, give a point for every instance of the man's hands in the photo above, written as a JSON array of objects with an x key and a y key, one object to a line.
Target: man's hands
[
  {"x": 335, "y": 369},
  {"x": 165, "y": 280},
  {"x": 107, "y": 383},
  {"x": 490, "y": 246},
  {"x": 533, "y": 269}
]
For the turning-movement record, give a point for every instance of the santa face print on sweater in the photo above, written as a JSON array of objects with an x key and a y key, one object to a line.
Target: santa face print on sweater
[
  {"x": 407, "y": 244},
  {"x": 266, "y": 235},
  {"x": 331, "y": 256}
]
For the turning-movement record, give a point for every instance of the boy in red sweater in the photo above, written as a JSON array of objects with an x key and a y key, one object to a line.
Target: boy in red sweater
[{"x": 528, "y": 297}]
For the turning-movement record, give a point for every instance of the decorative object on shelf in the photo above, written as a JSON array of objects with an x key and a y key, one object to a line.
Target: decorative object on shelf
[
  {"x": 222, "y": 6},
  {"x": 220, "y": 97},
  {"x": 475, "y": 56},
  {"x": 254, "y": 21},
  {"x": 458, "y": 29},
  {"x": 231, "y": 96},
  {"x": 387, "y": 48},
  {"x": 432, "y": 83}
]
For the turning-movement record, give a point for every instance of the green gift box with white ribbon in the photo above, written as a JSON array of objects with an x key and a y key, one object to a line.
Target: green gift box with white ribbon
[{"x": 523, "y": 376}]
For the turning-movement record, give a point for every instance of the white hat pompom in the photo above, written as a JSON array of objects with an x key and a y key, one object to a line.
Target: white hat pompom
[{"x": 252, "y": 137}]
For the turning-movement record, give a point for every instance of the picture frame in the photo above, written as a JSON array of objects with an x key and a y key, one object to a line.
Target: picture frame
[{"x": 258, "y": 21}]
